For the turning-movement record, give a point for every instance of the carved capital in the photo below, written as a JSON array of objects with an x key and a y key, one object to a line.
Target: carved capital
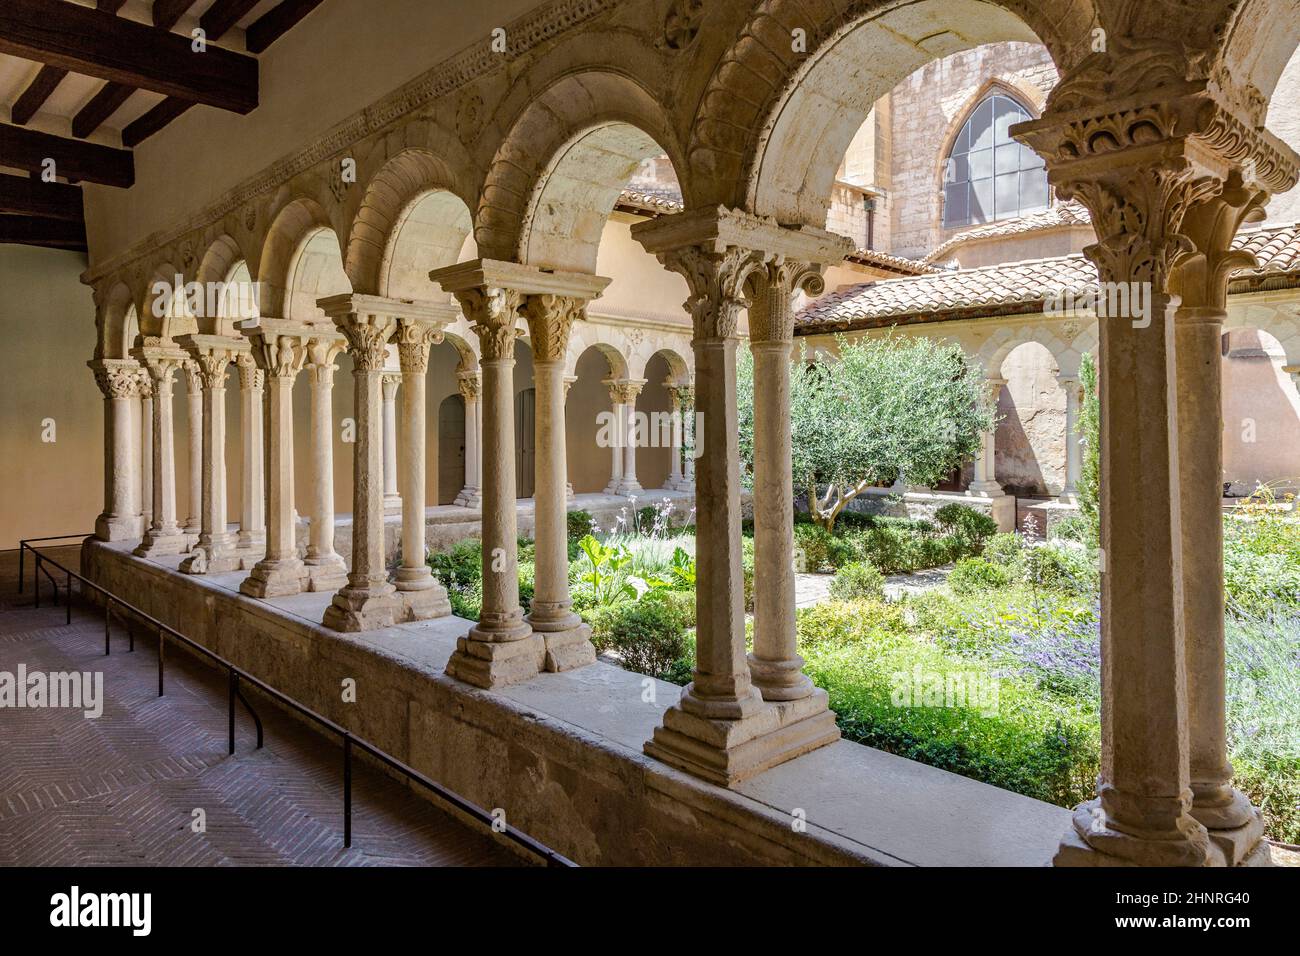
[
  {"x": 389, "y": 383},
  {"x": 716, "y": 281},
  {"x": 624, "y": 392},
  {"x": 250, "y": 376},
  {"x": 550, "y": 320},
  {"x": 117, "y": 378},
  {"x": 492, "y": 311},
  {"x": 193, "y": 376},
  {"x": 414, "y": 339},
  {"x": 771, "y": 316},
  {"x": 213, "y": 368},
  {"x": 1201, "y": 281},
  {"x": 368, "y": 340},
  {"x": 469, "y": 385}
]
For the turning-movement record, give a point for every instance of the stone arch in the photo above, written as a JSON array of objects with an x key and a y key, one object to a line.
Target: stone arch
[
  {"x": 580, "y": 344},
  {"x": 1006, "y": 340},
  {"x": 161, "y": 312},
  {"x": 679, "y": 369},
  {"x": 1250, "y": 41},
  {"x": 774, "y": 122},
  {"x": 410, "y": 202},
  {"x": 117, "y": 323},
  {"x": 560, "y": 168},
  {"x": 225, "y": 266},
  {"x": 293, "y": 228}
]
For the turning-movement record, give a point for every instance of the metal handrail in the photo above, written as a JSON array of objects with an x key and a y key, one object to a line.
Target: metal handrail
[{"x": 236, "y": 676}]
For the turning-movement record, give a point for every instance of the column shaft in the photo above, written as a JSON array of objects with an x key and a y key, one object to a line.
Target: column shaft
[
  {"x": 194, "y": 408},
  {"x": 165, "y": 536},
  {"x": 252, "y": 510},
  {"x": 325, "y": 568}
]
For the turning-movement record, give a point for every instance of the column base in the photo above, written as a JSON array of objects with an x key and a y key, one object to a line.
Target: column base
[
  {"x": 363, "y": 609},
  {"x": 985, "y": 489},
  {"x": 469, "y": 498},
  {"x": 423, "y": 597},
  {"x": 275, "y": 578},
  {"x": 729, "y": 751},
  {"x": 489, "y": 664},
  {"x": 679, "y": 484},
  {"x": 1091, "y": 842},
  {"x": 326, "y": 573},
  {"x": 214, "y": 558},
  {"x": 568, "y": 648},
  {"x": 118, "y": 528},
  {"x": 780, "y": 680},
  {"x": 1234, "y": 826},
  {"x": 392, "y": 504},
  {"x": 624, "y": 488},
  {"x": 155, "y": 545}
]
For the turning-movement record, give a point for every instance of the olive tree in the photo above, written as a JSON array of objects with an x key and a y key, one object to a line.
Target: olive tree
[{"x": 881, "y": 409}]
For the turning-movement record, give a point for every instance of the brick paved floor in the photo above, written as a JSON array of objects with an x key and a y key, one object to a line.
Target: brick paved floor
[{"x": 121, "y": 789}]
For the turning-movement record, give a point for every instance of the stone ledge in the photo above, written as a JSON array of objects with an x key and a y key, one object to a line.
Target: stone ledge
[{"x": 562, "y": 753}]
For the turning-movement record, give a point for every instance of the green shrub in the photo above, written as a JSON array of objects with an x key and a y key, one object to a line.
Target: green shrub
[
  {"x": 841, "y": 551},
  {"x": 891, "y": 549},
  {"x": 1059, "y": 568},
  {"x": 1006, "y": 549},
  {"x": 648, "y": 635},
  {"x": 813, "y": 543},
  {"x": 858, "y": 580},
  {"x": 460, "y": 565},
  {"x": 527, "y": 584},
  {"x": 977, "y": 574},
  {"x": 578, "y": 524},
  {"x": 1073, "y": 528},
  {"x": 682, "y": 602},
  {"x": 973, "y": 527},
  {"x": 747, "y": 570}
]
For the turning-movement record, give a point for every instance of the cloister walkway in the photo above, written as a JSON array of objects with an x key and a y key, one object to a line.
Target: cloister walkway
[{"x": 122, "y": 789}]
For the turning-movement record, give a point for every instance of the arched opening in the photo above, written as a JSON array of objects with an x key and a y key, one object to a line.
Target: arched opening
[
  {"x": 1261, "y": 415},
  {"x": 988, "y": 175},
  {"x": 525, "y": 399},
  {"x": 451, "y": 448},
  {"x": 586, "y": 410},
  {"x": 434, "y": 230}
]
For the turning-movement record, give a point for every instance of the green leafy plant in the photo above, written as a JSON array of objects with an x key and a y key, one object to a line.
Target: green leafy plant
[
  {"x": 1089, "y": 484},
  {"x": 605, "y": 575},
  {"x": 856, "y": 581},
  {"x": 973, "y": 527},
  {"x": 648, "y": 635},
  {"x": 977, "y": 574}
]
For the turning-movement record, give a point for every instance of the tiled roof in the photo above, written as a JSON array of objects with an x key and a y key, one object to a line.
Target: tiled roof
[
  {"x": 891, "y": 263},
  {"x": 1055, "y": 217},
  {"x": 1018, "y": 287},
  {"x": 656, "y": 202}
]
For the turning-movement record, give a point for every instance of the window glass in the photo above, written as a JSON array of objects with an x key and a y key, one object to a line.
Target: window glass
[{"x": 988, "y": 175}]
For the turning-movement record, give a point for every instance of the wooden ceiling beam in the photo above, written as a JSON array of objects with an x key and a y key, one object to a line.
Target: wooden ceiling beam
[
  {"x": 24, "y": 196},
  {"x": 74, "y": 159},
  {"x": 167, "y": 13},
  {"x": 37, "y": 92},
  {"x": 224, "y": 14},
  {"x": 101, "y": 106},
  {"x": 97, "y": 43},
  {"x": 151, "y": 122},
  {"x": 276, "y": 22},
  {"x": 50, "y": 233}
]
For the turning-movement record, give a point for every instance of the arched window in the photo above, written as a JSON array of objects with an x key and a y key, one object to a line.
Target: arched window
[{"x": 988, "y": 175}]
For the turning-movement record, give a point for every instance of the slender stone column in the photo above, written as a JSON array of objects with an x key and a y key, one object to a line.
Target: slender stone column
[
  {"x": 252, "y": 478},
  {"x": 119, "y": 380},
  {"x": 471, "y": 496},
  {"x": 722, "y": 729},
  {"x": 1202, "y": 281},
  {"x": 630, "y": 390},
  {"x": 775, "y": 665},
  {"x": 146, "y": 451},
  {"x": 1073, "y": 450},
  {"x": 194, "y": 407},
  {"x": 502, "y": 648},
  {"x": 280, "y": 349},
  {"x": 568, "y": 639},
  {"x": 422, "y": 595},
  {"x": 676, "y": 479},
  {"x": 217, "y": 548},
  {"x": 391, "y": 381},
  {"x": 164, "y": 536},
  {"x": 568, "y": 485},
  {"x": 985, "y": 482},
  {"x": 325, "y": 568},
  {"x": 618, "y": 437},
  {"x": 1138, "y": 172},
  {"x": 368, "y": 601}
]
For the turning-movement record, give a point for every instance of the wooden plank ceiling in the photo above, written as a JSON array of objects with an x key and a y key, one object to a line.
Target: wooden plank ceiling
[{"x": 86, "y": 81}]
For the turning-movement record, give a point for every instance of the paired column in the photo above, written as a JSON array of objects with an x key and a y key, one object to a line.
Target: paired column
[
  {"x": 368, "y": 601},
  {"x": 422, "y": 595},
  {"x": 985, "y": 482},
  {"x": 622, "y": 395},
  {"x": 280, "y": 349},
  {"x": 217, "y": 549},
  {"x": 1138, "y": 191},
  {"x": 119, "y": 380},
  {"x": 165, "y": 535},
  {"x": 194, "y": 407},
  {"x": 722, "y": 729},
  {"x": 391, "y": 382},
  {"x": 470, "y": 385},
  {"x": 775, "y": 665},
  {"x": 145, "y": 434},
  {"x": 683, "y": 409},
  {"x": 1202, "y": 282},
  {"x": 1073, "y": 450},
  {"x": 325, "y": 568},
  {"x": 567, "y": 638},
  {"x": 252, "y": 472}
]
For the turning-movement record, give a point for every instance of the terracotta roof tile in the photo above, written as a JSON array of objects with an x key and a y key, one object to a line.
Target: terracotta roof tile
[{"x": 1059, "y": 215}]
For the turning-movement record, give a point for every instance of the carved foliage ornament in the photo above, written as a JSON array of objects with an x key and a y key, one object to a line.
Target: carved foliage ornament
[
  {"x": 716, "y": 281},
  {"x": 414, "y": 339},
  {"x": 771, "y": 317},
  {"x": 550, "y": 319},
  {"x": 492, "y": 312},
  {"x": 682, "y": 25},
  {"x": 118, "y": 381},
  {"x": 468, "y": 384}
]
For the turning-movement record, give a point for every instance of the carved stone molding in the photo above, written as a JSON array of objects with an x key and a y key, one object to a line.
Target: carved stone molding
[
  {"x": 117, "y": 378},
  {"x": 414, "y": 339},
  {"x": 550, "y": 320}
]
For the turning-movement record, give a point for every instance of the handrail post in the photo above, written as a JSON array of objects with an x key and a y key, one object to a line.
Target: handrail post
[
  {"x": 234, "y": 689},
  {"x": 108, "y": 616},
  {"x": 22, "y": 561},
  {"x": 36, "y": 589},
  {"x": 161, "y": 646},
  {"x": 69, "y": 619},
  {"x": 347, "y": 791}
]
